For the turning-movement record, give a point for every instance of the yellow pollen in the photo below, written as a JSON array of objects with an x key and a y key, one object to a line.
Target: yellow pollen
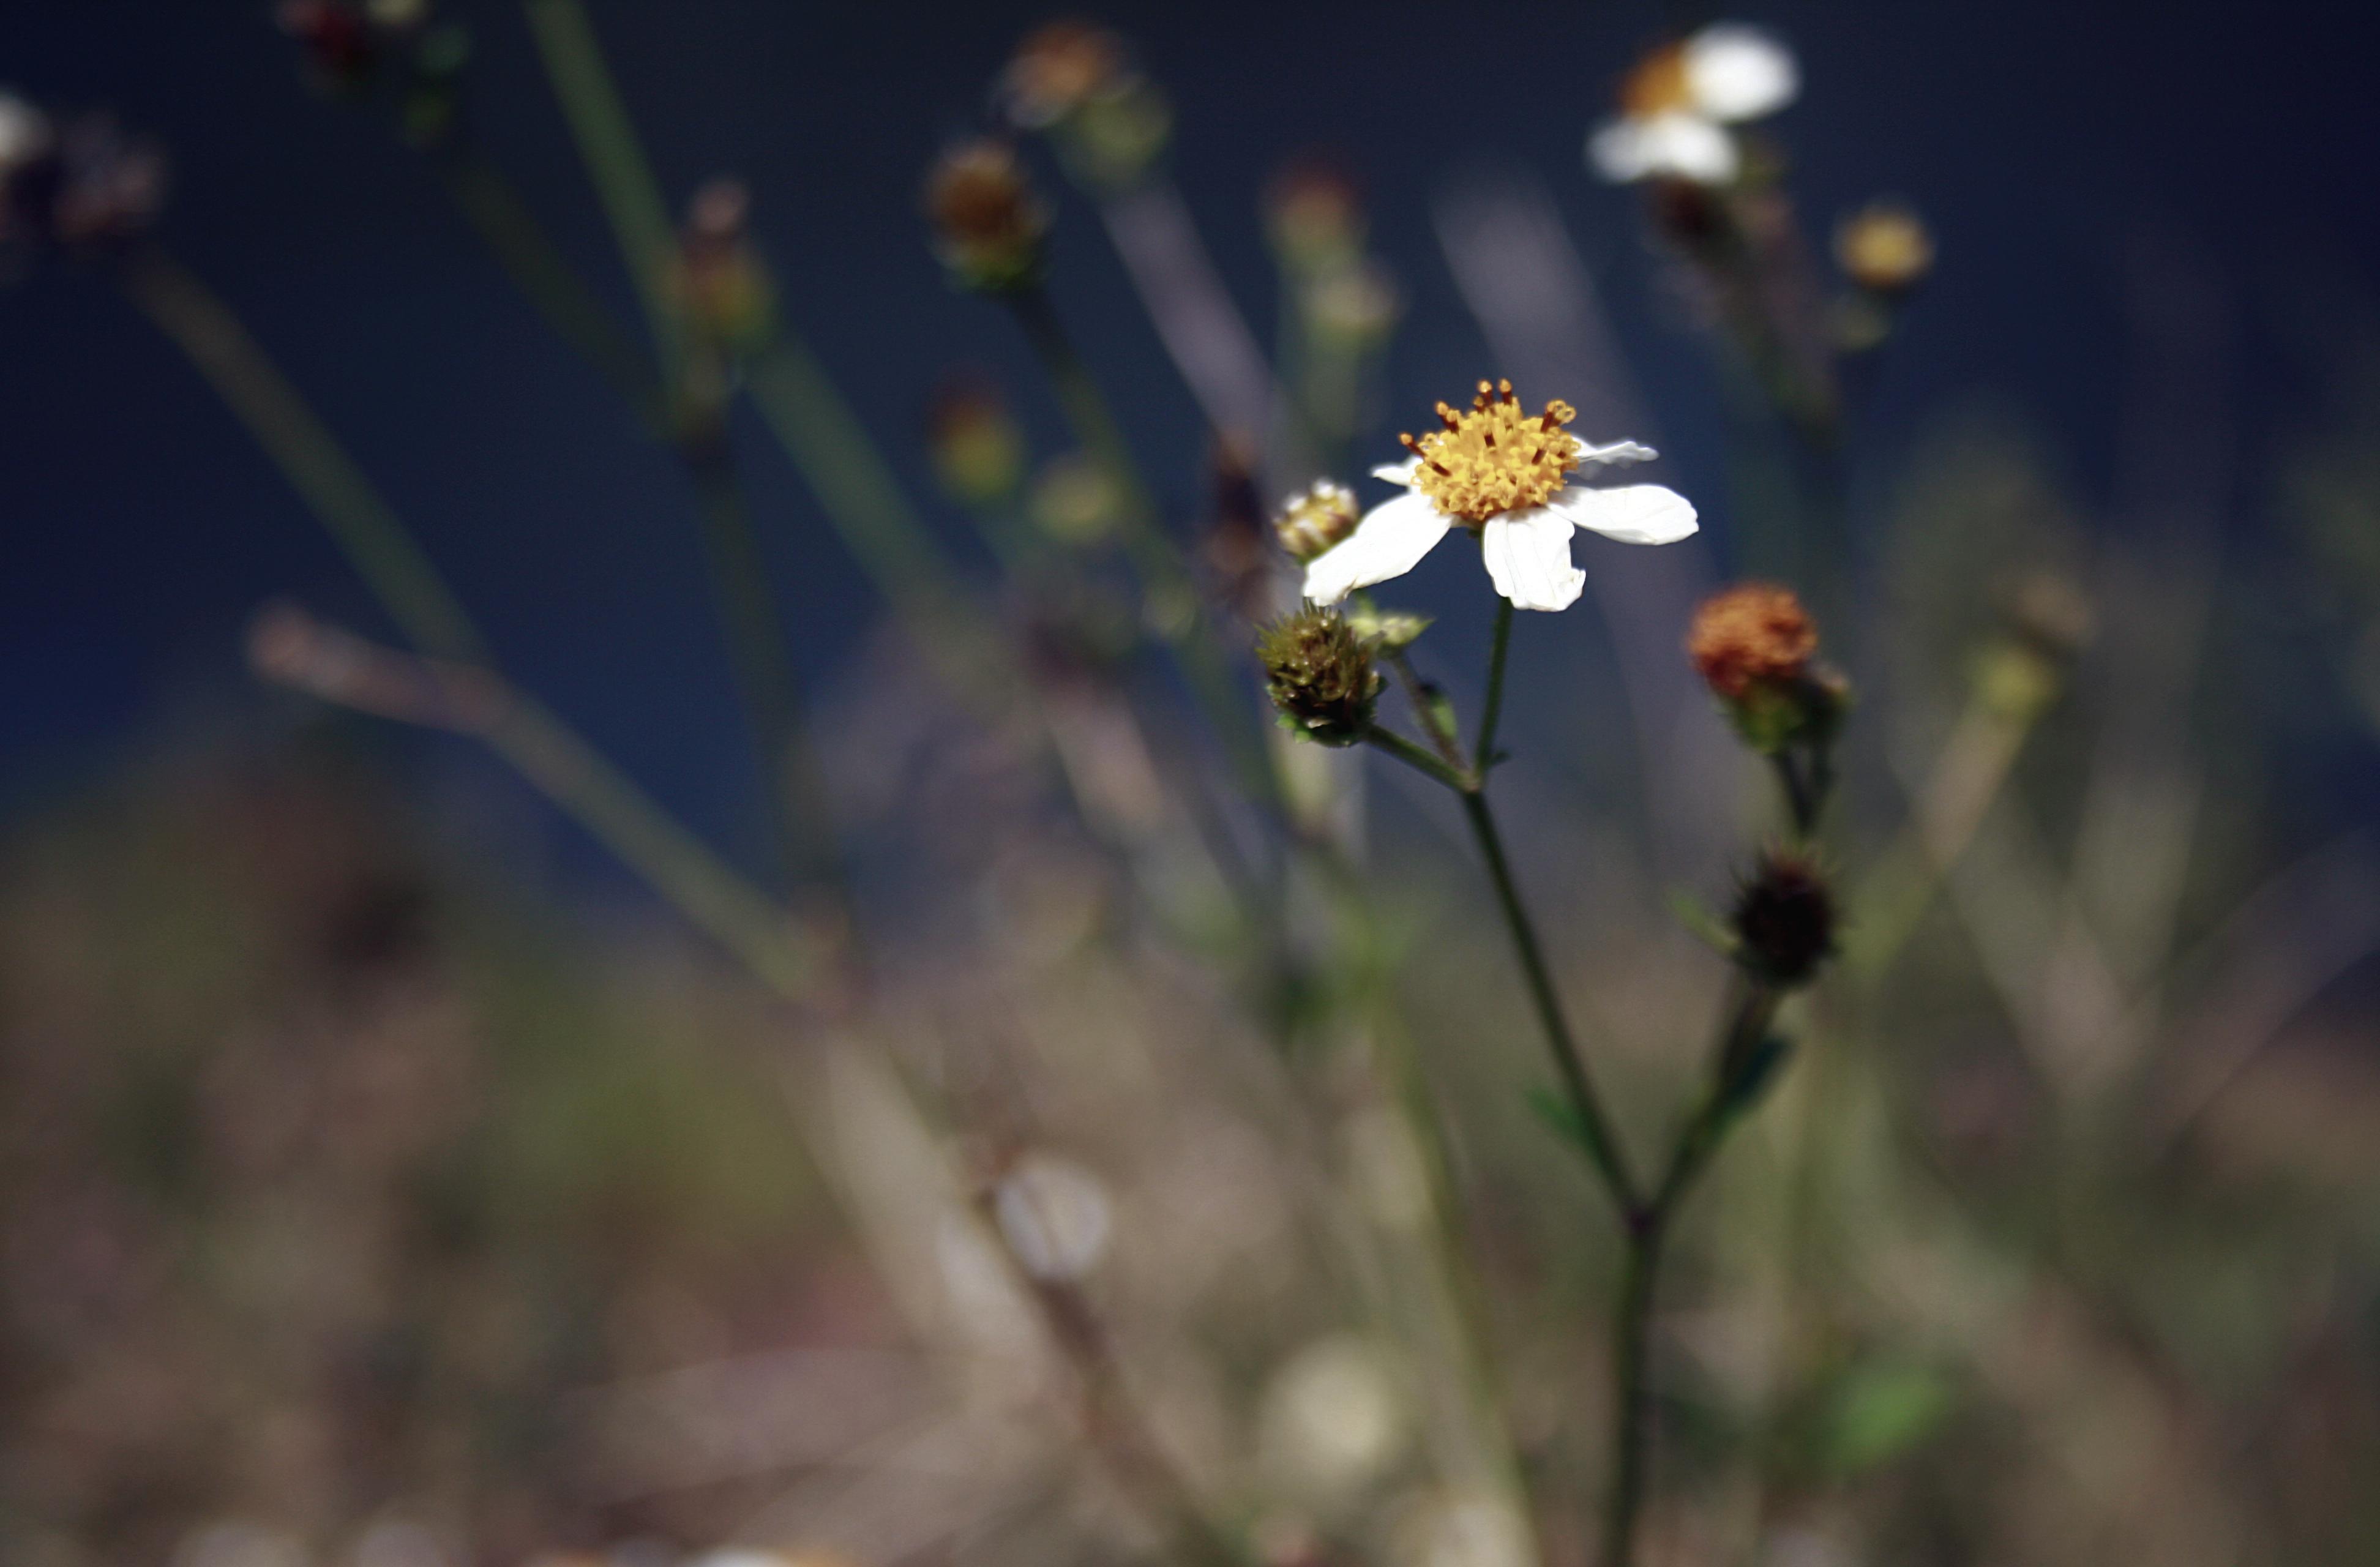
[
  {"x": 1492, "y": 458},
  {"x": 1657, "y": 85}
]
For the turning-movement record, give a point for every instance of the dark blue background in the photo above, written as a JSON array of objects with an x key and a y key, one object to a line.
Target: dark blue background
[{"x": 143, "y": 527}]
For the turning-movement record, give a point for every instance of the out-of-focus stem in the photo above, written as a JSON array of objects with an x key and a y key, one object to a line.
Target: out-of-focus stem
[
  {"x": 615, "y": 159},
  {"x": 309, "y": 455},
  {"x": 863, "y": 502},
  {"x": 1966, "y": 778},
  {"x": 540, "y": 270},
  {"x": 1171, "y": 596},
  {"x": 763, "y": 664},
  {"x": 1201, "y": 328}
]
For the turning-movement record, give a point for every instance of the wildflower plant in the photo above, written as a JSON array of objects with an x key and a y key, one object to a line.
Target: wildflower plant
[{"x": 1123, "y": 662}]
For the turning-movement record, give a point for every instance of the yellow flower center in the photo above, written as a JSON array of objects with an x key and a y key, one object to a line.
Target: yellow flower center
[
  {"x": 1657, "y": 85},
  {"x": 1492, "y": 458}
]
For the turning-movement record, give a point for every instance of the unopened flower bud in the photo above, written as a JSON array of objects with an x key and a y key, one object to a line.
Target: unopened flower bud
[
  {"x": 979, "y": 451},
  {"x": 1320, "y": 676},
  {"x": 110, "y": 186},
  {"x": 1884, "y": 248},
  {"x": 1316, "y": 520},
  {"x": 722, "y": 286},
  {"x": 988, "y": 225},
  {"x": 337, "y": 37},
  {"x": 1754, "y": 645},
  {"x": 1353, "y": 305},
  {"x": 1389, "y": 630},
  {"x": 1112, "y": 141},
  {"x": 1784, "y": 919},
  {"x": 1314, "y": 214},
  {"x": 1057, "y": 69},
  {"x": 1073, "y": 500}
]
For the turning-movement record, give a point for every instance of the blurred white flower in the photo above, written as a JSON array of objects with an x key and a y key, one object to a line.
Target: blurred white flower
[
  {"x": 1675, "y": 107},
  {"x": 1055, "y": 1216},
  {"x": 1333, "y": 1418},
  {"x": 1501, "y": 474},
  {"x": 1462, "y": 1530},
  {"x": 24, "y": 133}
]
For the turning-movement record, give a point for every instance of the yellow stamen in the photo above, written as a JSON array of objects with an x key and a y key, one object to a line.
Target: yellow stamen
[
  {"x": 1492, "y": 458},
  {"x": 1657, "y": 85}
]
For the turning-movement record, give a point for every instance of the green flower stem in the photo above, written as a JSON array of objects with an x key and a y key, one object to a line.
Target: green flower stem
[
  {"x": 1632, "y": 1419},
  {"x": 358, "y": 517},
  {"x": 1751, "y": 1011},
  {"x": 615, "y": 161},
  {"x": 1485, "y": 757},
  {"x": 1417, "y": 756},
  {"x": 1602, "y": 1147}
]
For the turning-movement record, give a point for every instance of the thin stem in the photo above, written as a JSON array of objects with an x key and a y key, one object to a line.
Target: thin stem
[
  {"x": 1631, "y": 1418},
  {"x": 540, "y": 270},
  {"x": 1602, "y": 1146},
  {"x": 1748, "y": 1018},
  {"x": 615, "y": 159},
  {"x": 1485, "y": 756},
  {"x": 762, "y": 661},
  {"x": 309, "y": 456},
  {"x": 1426, "y": 713},
  {"x": 1414, "y": 755}
]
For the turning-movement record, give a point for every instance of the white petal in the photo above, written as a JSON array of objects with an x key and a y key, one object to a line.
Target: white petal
[
  {"x": 1390, "y": 542},
  {"x": 1686, "y": 146},
  {"x": 1618, "y": 452},
  {"x": 1528, "y": 559},
  {"x": 1633, "y": 514},
  {"x": 1399, "y": 473},
  {"x": 1736, "y": 72}
]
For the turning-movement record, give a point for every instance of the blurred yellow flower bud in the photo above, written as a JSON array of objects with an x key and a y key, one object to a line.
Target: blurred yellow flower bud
[{"x": 1885, "y": 248}]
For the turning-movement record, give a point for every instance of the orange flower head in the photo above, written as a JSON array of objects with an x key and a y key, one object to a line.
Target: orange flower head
[{"x": 1754, "y": 634}]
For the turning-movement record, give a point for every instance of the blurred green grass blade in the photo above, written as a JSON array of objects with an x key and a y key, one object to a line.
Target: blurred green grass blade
[
  {"x": 807, "y": 415},
  {"x": 615, "y": 159},
  {"x": 361, "y": 522},
  {"x": 539, "y": 270}
]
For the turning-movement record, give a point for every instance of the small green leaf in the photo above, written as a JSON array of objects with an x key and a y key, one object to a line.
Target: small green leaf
[
  {"x": 1882, "y": 1410},
  {"x": 1707, "y": 927},
  {"x": 1558, "y": 1115}
]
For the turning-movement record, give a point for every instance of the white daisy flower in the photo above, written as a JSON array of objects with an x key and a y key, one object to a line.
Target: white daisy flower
[
  {"x": 1502, "y": 475},
  {"x": 1676, "y": 106},
  {"x": 24, "y": 133}
]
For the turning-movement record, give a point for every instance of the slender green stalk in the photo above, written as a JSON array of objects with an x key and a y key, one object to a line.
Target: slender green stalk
[
  {"x": 1416, "y": 757},
  {"x": 1594, "y": 1125},
  {"x": 623, "y": 819},
  {"x": 309, "y": 456},
  {"x": 1633, "y": 1411},
  {"x": 1751, "y": 1011},
  {"x": 549, "y": 282},
  {"x": 854, "y": 487},
  {"x": 1485, "y": 757},
  {"x": 762, "y": 661},
  {"x": 615, "y": 159}
]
